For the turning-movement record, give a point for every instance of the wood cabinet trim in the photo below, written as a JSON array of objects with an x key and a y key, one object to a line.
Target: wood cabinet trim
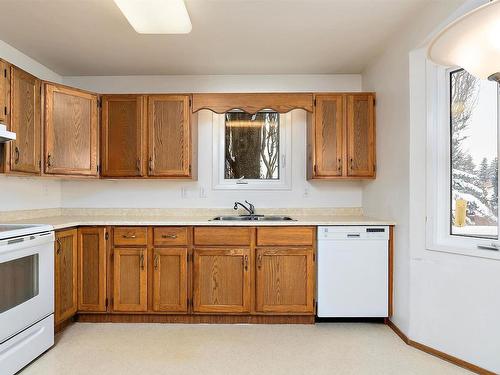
[{"x": 253, "y": 102}]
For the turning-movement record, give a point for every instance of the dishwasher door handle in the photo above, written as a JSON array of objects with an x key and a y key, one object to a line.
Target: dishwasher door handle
[{"x": 353, "y": 235}]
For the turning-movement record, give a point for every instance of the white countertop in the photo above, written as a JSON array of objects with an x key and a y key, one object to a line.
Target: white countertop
[{"x": 68, "y": 221}]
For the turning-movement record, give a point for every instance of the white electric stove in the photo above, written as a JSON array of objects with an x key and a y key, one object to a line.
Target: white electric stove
[{"x": 26, "y": 294}]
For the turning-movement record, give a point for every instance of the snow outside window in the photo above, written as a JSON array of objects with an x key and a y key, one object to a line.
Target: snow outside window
[{"x": 473, "y": 121}]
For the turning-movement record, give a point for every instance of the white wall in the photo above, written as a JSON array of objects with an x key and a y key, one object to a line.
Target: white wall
[
  {"x": 446, "y": 301},
  {"x": 162, "y": 193},
  {"x": 455, "y": 303},
  {"x": 28, "y": 193}
]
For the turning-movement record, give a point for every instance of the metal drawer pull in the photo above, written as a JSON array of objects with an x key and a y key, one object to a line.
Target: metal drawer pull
[
  {"x": 246, "y": 262},
  {"x": 130, "y": 236},
  {"x": 59, "y": 246},
  {"x": 16, "y": 160},
  {"x": 259, "y": 261},
  {"x": 172, "y": 236},
  {"x": 156, "y": 261},
  {"x": 141, "y": 261}
]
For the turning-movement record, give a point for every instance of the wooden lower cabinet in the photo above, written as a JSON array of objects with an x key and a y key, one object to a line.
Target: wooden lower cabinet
[
  {"x": 285, "y": 280},
  {"x": 170, "y": 282},
  {"x": 92, "y": 269},
  {"x": 65, "y": 275},
  {"x": 130, "y": 291},
  {"x": 221, "y": 280}
]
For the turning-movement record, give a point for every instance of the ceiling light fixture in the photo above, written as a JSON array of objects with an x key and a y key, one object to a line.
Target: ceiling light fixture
[
  {"x": 471, "y": 42},
  {"x": 156, "y": 16}
]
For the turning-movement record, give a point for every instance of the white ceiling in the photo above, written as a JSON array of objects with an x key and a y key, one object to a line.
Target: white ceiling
[{"x": 92, "y": 37}]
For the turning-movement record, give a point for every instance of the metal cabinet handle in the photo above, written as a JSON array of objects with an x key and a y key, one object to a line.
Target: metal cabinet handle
[
  {"x": 340, "y": 165},
  {"x": 172, "y": 236},
  {"x": 150, "y": 165},
  {"x": 259, "y": 261},
  {"x": 59, "y": 246},
  {"x": 16, "y": 151},
  {"x": 156, "y": 261},
  {"x": 141, "y": 261},
  {"x": 352, "y": 164},
  {"x": 49, "y": 160},
  {"x": 138, "y": 164},
  {"x": 129, "y": 236},
  {"x": 246, "y": 262}
]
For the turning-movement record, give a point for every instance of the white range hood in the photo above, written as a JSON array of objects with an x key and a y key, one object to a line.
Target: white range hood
[{"x": 5, "y": 135}]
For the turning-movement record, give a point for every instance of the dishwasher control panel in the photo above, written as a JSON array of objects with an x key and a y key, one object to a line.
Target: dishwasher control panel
[{"x": 346, "y": 232}]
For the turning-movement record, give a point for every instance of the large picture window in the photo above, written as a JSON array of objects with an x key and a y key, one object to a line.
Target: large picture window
[{"x": 473, "y": 113}]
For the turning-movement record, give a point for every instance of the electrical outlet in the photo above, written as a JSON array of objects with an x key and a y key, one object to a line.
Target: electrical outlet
[
  {"x": 203, "y": 192},
  {"x": 306, "y": 192},
  {"x": 184, "y": 193}
]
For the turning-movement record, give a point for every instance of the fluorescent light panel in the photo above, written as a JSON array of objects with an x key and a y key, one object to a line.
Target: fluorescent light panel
[{"x": 156, "y": 16}]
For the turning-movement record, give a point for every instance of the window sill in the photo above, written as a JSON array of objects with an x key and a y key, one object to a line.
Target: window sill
[{"x": 469, "y": 250}]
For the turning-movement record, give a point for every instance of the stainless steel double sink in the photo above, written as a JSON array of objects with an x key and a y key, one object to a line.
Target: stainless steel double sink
[{"x": 252, "y": 218}]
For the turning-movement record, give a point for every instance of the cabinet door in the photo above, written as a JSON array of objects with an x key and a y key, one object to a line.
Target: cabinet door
[
  {"x": 70, "y": 131},
  {"x": 169, "y": 136},
  {"x": 130, "y": 291},
  {"x": 65, "y": 275},
  {"x": 122, "y": 136},
  {"x": 328, "y": 135},
  {"x": 285, "y": 280},
  {"x": 170, "y": 280},
  {"x": 25, "y": 122},
  {"x": 361, "y": 135},
  {"x": 91, "y": 269},
  {"x": 221, "y": 280},
  {"x": 4, "y": 92}
]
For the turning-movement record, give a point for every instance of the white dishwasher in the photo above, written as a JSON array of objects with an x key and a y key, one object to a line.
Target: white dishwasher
[{"x": 353, "y": 271}]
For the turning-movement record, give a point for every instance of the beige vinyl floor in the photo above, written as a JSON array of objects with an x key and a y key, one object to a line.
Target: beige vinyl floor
[{"x": 143, "y": 349}]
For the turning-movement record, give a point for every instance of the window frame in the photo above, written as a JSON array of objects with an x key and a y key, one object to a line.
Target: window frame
[
  {"x": 285, "y": 149},
  {"x": 438, "y": 175}
]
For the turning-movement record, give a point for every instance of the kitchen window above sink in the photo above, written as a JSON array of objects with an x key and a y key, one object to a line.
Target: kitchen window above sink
[{"x": 252, "y": 151}]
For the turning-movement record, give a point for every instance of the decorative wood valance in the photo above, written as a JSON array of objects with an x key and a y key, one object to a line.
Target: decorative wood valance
[{"x": 252, "y": 103}]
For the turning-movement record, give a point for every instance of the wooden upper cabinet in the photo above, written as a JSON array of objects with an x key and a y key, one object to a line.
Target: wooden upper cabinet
[
  {"x": 329, "y": 130},
  {"x": 25, "y": 121},
  {"x": 285, "y": 280},
  {"x": 361, "y": 135},
  {"x": 91, "y": 269},
  {"x": 169, "y": 146},
  {"x": 130, "y": 291},
  {"x": 4, "y": 92},
  {"x": 221, "y": 280},
  {"x": 170, "y": 280},
  {"x": 341, "y": 136},
  {"x": 70, "y": 131},
  {"x": 65, "y": 275},
  {"x": 123, "y": 136}
]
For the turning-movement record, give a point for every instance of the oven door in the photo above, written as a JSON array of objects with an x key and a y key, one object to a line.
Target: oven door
[{"x": 26, "y": 282}]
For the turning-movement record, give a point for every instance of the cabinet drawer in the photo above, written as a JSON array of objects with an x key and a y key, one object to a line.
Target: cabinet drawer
[
  {"x": 225, "y": 236},
  {"x": 273, "y": 236},
  {"x": 170, "y": 236},
  {"x": 130, "y": 236}
]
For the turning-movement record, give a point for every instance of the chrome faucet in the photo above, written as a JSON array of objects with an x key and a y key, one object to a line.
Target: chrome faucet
[{"x": 250, "y": 209}]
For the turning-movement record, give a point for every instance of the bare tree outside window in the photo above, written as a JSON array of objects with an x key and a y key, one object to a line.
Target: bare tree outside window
[
  {"x": 474, "y": 157},
  {"x": 252, "y": 145}
]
